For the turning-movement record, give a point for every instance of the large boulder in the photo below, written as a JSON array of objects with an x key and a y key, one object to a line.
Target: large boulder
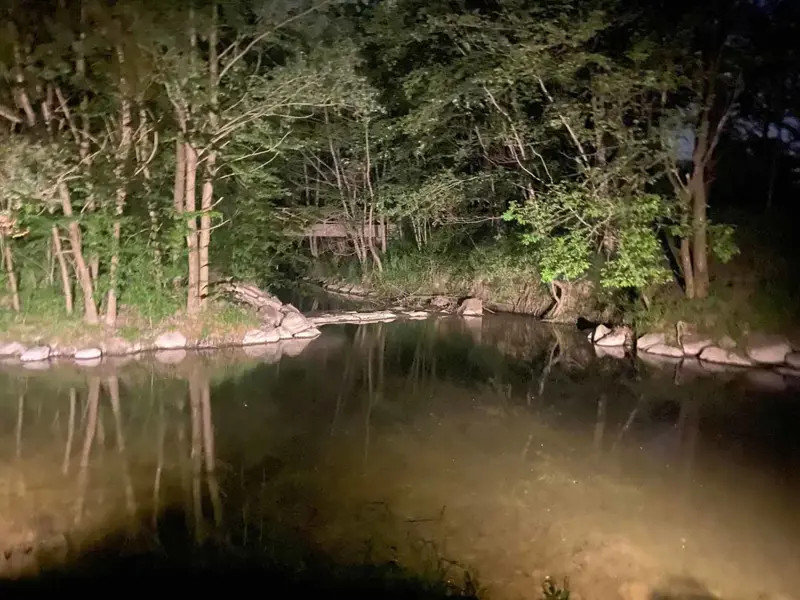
[
  {"x": 270, "y": 315},
  {"x": 294, "y": 322},
  {"x": 11, "y": 349},
  {"x": 261, "y": 336},
  {"x": 693, "y": 344},
  {"x": 619, "y": 336},
  {"x": 35, "y": 354},
  {"x": 308, "y": 334},
  {"x": 715, "y": 354},
  {"x": 87, "y": 354},
  {"x": 171, "y": 340},
  {"x": 768, "y": 349},
  {"x": 793, "y": 360},
  {"x": 471, "y": 307},
  {"x": 649, "y": 339},
  {"x": 598, "y": 333},
  {"x": 664, "y": 350}
]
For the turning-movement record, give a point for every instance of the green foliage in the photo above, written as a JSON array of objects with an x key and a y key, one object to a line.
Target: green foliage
[{"x": 722, "y": 240}]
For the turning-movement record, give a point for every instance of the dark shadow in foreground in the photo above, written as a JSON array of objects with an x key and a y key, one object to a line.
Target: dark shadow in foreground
[{"x": 279, "y": 568}]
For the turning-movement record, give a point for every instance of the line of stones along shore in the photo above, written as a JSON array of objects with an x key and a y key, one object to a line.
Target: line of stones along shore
[
  {"x": 293, "y": 325},
  {"x": 759, "y": 351}
]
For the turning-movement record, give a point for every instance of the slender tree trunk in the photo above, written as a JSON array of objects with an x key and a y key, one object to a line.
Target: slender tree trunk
[
  {"x": 700, "y": 236},
  {"x": 207, "y": 198},
  {"x": 193, "y": 294},
  {"x": 62, "y": 266},
  {"x": 8, "y": 263},
  {"x": 81, "y": 270},
  {"x": 686, "y": 268},
  {"x": 126, "y": 138},
  {"x": 206, "y": 203}
]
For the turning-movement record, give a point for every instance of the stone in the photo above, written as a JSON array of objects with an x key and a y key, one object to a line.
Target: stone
[
  {"x": 87, "y": 354},
  {"x": 171, "y": 340},
  {"x": 294, "y": 322},
  {"x": 665, "y": 350},
  {"x": 793, "y": 360},
  {"x": 727, "y": 343},
  {"x": 261, "y": 336},
  {"x": 617, "y": 352},
  {"x": 379, "y": 316},
  {"x": 788, "y": 372},
  {"x": 619, "y": 336},
  {"x": 283, "y": 333},
  {"x": 768, "y": 349},
  {"x": 693, "y": 344},
  {"x": 599, "y": 333},
  {"x": 765, "y": 380},
  {"x": 415, "y": 315},
  {"x": 12, "y": 349},
  {"x": 170, "y": 357},
  {"x": 441, "y": 302},
  {"x": 715, "y": 354},
  {"x": 270, "y": 315},
  {"x": 471, "y": 307},
  {"x": 35, "y": 354},
  {"x": 308, "y": 333},
  {"x": 649, "y": 339}
]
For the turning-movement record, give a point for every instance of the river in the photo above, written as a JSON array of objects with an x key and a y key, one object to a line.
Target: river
[{"x": 499, "y": 449}]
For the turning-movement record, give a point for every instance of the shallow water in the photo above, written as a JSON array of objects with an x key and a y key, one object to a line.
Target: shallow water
[{"x": 501, "y": 446}]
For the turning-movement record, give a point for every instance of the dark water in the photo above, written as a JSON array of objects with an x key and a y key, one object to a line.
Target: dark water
[{"x": 501, "y": 448}]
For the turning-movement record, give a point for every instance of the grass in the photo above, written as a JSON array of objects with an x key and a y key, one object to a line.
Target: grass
[
  {"x": 43, "y": 320},
  {"x": 500, "y": 268}
]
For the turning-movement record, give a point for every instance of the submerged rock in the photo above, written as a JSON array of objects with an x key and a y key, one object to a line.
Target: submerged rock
[
  {"x": 171, "y": 340},
  {"x": 471, "y": 307},
  {"x": 35, "y": 354},
  {"x": 715, "y": 354},
  {"x": 619, "y": 336},
  {"x": 11, "y": 349},
  {"x": 650, "y": 339},
  {"x": 768, "y": 349}
]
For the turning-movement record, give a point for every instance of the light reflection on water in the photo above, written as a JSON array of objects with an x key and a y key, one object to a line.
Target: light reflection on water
[{"x": 501, "y": 443}]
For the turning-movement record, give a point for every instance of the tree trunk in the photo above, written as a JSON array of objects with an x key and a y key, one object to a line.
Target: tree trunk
[
  {"x": 686, "y": 268},
  {"x": 126, "y": 136},
  {"x": 206, "y": 202},
  {"x": 81, "y": 270},
  {"x": 190, "y": 205},
  {"x": 8, "y": 262},
  {"x": 207, "y": 197},
  {"x": 699, "y": 234},
  {"x": 62, "y": 265}
]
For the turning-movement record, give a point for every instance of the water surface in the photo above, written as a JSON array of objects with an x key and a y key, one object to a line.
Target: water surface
[{"x": 500, "y": 446}]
